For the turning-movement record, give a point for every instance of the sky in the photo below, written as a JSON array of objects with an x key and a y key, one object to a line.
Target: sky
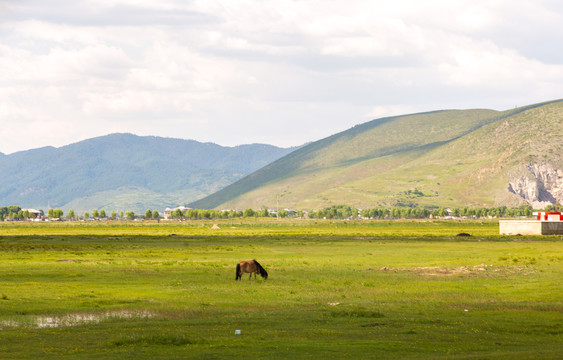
[{"x": 281, "y": 72}]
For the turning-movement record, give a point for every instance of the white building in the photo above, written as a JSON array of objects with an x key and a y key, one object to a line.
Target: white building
[{"x": 168, "y": 212}]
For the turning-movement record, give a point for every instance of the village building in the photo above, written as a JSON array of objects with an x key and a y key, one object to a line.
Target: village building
[
  {"x": 34, "y": 214},
  {"x": 168, "y": 212},
  {"x": 545, "y": 223}
]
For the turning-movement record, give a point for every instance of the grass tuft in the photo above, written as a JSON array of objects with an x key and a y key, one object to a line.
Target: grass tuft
[
  {"x": 146, "y": 340},
  {"x": 356, "y": 313}
]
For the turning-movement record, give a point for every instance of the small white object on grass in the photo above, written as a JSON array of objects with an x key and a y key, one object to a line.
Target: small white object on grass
[
  {"x": 465, "y": 310},
  {"x": 237, "y": 332}
]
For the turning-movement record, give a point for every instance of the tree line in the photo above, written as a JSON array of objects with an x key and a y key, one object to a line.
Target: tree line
[
  {"x": 348, "y": 212},
  {"x": 15, "y": 212},
  {"x": 196, "y": 214}
]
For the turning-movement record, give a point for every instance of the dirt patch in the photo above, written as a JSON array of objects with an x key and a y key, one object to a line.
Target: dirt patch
[{"x": 463, "y": 270}]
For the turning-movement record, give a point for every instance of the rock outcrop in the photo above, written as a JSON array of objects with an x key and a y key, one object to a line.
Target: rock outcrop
[{"x": 541, "y": 186}]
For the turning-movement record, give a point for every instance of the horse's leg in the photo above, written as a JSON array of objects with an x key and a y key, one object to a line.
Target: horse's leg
[{"x": 250, "y": 277}]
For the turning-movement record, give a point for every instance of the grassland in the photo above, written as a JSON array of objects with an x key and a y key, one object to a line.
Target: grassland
[{"x": 337, "y": 289}]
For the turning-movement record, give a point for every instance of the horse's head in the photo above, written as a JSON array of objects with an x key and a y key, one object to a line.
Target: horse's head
[{"x": 263, "y": 272}]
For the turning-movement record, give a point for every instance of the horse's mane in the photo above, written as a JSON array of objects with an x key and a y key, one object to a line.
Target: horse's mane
[
  {"x": 258, "y": 264},
  {"x": 262, "y": 271}
]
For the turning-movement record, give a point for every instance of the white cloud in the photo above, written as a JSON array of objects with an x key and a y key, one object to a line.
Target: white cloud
[
  {"x": 59, "y": 33},
  {"x": 390, "y": 110},
  {"x": 277, "y": 71},
  {"x": 483, "y": 64}
]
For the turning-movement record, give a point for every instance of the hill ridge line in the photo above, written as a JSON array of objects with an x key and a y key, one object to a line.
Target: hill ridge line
[{"x": 302, "y": 162}]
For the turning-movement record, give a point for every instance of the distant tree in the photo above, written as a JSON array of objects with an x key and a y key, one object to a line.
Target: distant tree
[
  {"x": 95, "y": 213},
  {"x": 86, "y": 215},
  {"x": 121, "y": 214},
  {"x": 113, "y": 215},
  {"x": 14, "y": 209},
  {"x": 155, "y": 214},
  {"x": 177, "y": 214},
  {"x": 55, "y": 213},
  {"x": 248, "y": 213},
  {"x": 148, "y": 214},
  {"x": 71, "y": 214},
  {"x": 263, "y": 213},
  {"x": 130, "y": 215},
  {"x": 102, "y": 213},
  {"x": 3, "y": 213}
]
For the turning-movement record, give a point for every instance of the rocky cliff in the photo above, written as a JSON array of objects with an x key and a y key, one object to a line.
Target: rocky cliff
[{"x": 540, "y": 186}]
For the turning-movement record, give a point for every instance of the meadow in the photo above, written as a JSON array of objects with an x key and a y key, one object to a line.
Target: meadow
[{"x": 336, "y": 289}]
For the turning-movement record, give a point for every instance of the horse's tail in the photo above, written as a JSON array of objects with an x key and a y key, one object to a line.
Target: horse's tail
[{"x": 238, "y": 273}]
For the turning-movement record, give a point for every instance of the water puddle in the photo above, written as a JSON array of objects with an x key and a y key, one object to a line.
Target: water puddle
[{"x": 41, "y": 322}]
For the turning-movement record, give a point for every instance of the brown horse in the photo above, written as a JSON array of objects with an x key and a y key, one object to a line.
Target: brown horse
[{"x": 252, "y": 267}]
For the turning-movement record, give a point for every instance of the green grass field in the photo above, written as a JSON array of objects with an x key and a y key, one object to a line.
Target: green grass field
[{"x": 336, "y": 289}]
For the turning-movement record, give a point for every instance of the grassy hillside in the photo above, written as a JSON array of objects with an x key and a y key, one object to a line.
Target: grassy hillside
[
  {"x": 454, "y": 158},
  {"x": 126, "y": 172}
]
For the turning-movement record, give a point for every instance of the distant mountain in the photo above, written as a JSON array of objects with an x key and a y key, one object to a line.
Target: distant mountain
[
  {"x": 441, "y": 158},
  {"x": 126, "y": 172}
]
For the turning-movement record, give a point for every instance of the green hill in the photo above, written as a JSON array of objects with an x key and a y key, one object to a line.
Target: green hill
[
  {"x": 443, "y": 158},
  {"x": 126, "y": 172}
]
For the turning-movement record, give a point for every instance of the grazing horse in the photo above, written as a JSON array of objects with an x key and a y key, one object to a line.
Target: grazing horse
[{"x": 252, "y": 267}]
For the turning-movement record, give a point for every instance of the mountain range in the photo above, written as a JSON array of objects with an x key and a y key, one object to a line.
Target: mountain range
[
  {"x": 126, "y": 172},
  {"x": 446, "y": 158},
  {"x": 475, "y": 158}
]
